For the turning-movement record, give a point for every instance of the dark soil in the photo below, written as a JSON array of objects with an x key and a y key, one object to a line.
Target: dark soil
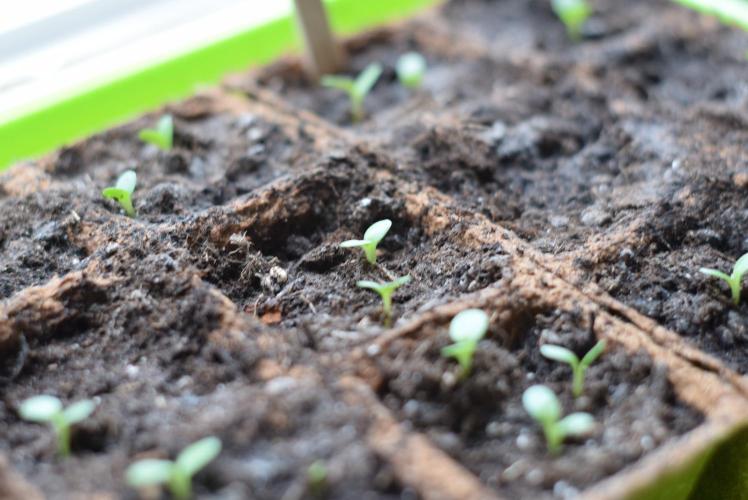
[
  {"x": 481, "y": 422},
  {"x": 228, "y": 308}
]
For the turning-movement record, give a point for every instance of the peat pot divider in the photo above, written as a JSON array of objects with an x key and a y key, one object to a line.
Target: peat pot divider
[{"x": 712, "y": 388}]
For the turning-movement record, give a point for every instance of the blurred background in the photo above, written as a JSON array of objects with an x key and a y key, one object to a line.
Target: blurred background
[{"x": 52, "y": 47}]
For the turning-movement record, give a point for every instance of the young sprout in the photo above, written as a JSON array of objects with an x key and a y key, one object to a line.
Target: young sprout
[
  {"x": 543, "y": 405},
  {"x": 372, "y": 237},
  {"x": 162, "y": 136},
  {"x": 578, "y": 368},
  {"x": 573, "y": 13},
  {"x": 735, "y": 279},
  {"x": 357, "y": 89},
  {"x": 122, "y": 191},
  {"x": 48, "y": 409},
  {"x": 316, "y": 478},
  {"x": 385, "y": 290},
  {"x": 410, "y": 69},
  {"x": 176, "y": 474},
  {"x": 466, "y": 330}
]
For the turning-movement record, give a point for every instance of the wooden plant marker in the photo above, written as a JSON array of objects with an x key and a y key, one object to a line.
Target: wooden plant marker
[{"x": 322, "y": 55}]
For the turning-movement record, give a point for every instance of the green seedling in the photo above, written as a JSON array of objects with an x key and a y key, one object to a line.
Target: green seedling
[
  {"x": 466, "y": 330},
  {"x": 162, "y": 136},
  {"x": 48, "y": 409},
  {"x": 357, "y": 89},
  {"x": 735, "y": 279},
  {"x": 373, "y": 235},
  {"x": 385, "y": 290},
  {"x": 316, "y": 478},
  {"x": 122, "y": 191},
  {"x": 578, "y": 367},
  {"x": 410, "y": 69},
  {"x": 573, "y": 13},
  {"x": 176, "y": 474},
  {"x": 543, "y": 405}
]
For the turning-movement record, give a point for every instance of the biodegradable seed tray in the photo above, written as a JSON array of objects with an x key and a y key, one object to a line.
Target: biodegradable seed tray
[{"x": 571, "y": 191}]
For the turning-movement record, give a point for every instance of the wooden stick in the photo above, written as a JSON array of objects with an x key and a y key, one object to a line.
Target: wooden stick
[{"x": 322, "y": 55}]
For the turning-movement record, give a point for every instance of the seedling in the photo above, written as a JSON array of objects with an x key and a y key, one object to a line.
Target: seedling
[
  {"x": 735, "y": 279},
  {"x": 122, "y": 191},
  {"x": 466, "y": 330},
  {"x": 385, "y": 290},
  {"x": 176, "y": 474},
  {"x": 48, "y": 409},
  {"x": 372, "y": 237},
  {"x": 573, "y": 13},
  {"x": 543, "y": 405},
  {"x": 410, "y": 69},
  {"x": 578, "y": 368},
  {"x": 316, "y": 478},
  {"x": 162, "y": 136},
  {"x": 357, "y": 89}
]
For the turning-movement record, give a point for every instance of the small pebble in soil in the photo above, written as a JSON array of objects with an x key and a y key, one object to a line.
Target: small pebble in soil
[
  {"x": 558, "y": 221},
  {"x": 280, "y": 385},
  {"x": 372, "y": 350},
  {"x": 495, "y": 134},
  {"x": 627, "y": 255},
  {"x": 447, "y": 441},
  {"x": 535, "y": 477},
  {"x": 514, "y": 471},
  {"x": 448, "y": 379},
  {"x": 564, "y": 490},
  {"x": 274, "y": 280},
  {"x": 647, "y": 442},
  {"x": 524, "y": 442},
  {"x": 595, "y": 216},
  {"x": 497, "y": 429},
  {"x": 410, "y": 408},
  {"x": 245, "y": 120}
]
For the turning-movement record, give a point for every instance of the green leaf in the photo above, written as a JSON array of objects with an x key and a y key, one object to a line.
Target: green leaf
[
  {"x": 389, "y": 286},
  {"x": 576, "y": 424},
  {"x": 199, "y": 454},
  {"x": 470, "y": 324},
  {"x": 371, "y": 285},
  {"x": 397, "y": 283},
  {"x": 149, "y": 472},
  {"x": 166, "y": 129},
  {"x": 463, "y": 352},
  {"x": 343, "y": 83},
  {"x": 162, "y": 136},
  {"x": 560, "y": 354},
  {"x": 740, "y": 267},
  {"x": 127, "y": 181},
  {"x": 542, "y": 404},
  {"x": 79, "y": 411},
  {"x": 40, "y": 408},
  {"x": 410, "y": 69},
  {"x": 354, "y": 243},
  {"x": 573, "y": 13},
  {"x": 316, "y": 473},
  {"x": 367, "y": 79},
  {"x": 377, "y": 231},
  {"x": 593, "y": 353},
  {"x": 715, "y": 273},
  {"x": 115, "y": 193}
]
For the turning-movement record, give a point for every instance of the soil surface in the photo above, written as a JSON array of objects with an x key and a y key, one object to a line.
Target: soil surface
[{"x": 228, "y": 308}]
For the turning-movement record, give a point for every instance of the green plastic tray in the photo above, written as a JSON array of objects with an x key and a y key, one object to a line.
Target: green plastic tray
[{"x": 39, "y": 130}]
